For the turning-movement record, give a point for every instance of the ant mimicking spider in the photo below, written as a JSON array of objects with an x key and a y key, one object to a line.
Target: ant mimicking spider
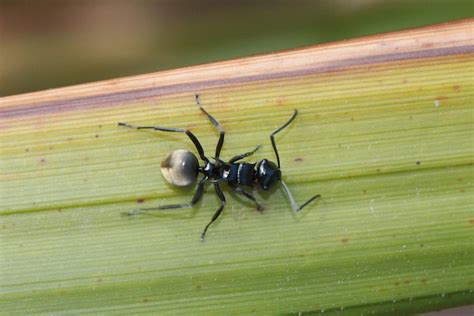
[{"x": 181, "y": 168}]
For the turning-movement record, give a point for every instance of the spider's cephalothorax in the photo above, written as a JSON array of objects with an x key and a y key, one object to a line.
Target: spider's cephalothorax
[
  {"x": 268, "y": 173},
  {"x": 181, "y": 168}
]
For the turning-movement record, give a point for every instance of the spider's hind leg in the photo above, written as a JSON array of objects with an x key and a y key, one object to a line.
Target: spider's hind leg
[{"x": 197, "y": 196}]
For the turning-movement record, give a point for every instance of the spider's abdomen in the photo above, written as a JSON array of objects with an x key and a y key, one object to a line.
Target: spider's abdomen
[
  {"x": 180, "y": 168},
  {"x": 241, "y": 174}
]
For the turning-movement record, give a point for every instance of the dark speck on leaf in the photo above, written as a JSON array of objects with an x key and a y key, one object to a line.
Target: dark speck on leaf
[
  {"x": 96, "y": 136},
  {"x": 418, "y": 162},
  {"x": 140, "y": 200},
  {"x": 298, "y": 159}
]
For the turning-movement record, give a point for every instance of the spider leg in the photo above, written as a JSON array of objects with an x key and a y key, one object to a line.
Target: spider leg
[
  {"x": 293, "y": 203},
  {"x": 216, "y": 124},
  {"x": 249, "y": 196},
  {"x": 193, "y": 138},
  {"x": 197, "y": 196},
  {"x": 272, "y": 136},
  {"x": 241, "y": 156},
  {"x": 219, "y": 210}
]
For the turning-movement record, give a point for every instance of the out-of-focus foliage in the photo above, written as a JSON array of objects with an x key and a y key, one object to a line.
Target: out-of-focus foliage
[{"x": 48, "y": 44}]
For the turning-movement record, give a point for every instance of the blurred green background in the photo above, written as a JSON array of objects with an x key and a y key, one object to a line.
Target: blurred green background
[{"x": 49, "y": 44}]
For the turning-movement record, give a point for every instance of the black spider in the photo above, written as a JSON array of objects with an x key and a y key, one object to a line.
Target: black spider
[{"x": 181, "y": 168}]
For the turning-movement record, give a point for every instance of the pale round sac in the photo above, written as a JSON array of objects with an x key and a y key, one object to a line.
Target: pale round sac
[{"x": 180, "y": 168}]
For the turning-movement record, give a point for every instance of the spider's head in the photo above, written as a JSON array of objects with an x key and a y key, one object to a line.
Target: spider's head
[
  {"x": 180, "y": 168},
  {"x": 268, "y": 174}
]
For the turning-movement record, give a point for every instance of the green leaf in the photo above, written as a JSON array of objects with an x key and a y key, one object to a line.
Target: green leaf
[{"x": 384, "y": 134}]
